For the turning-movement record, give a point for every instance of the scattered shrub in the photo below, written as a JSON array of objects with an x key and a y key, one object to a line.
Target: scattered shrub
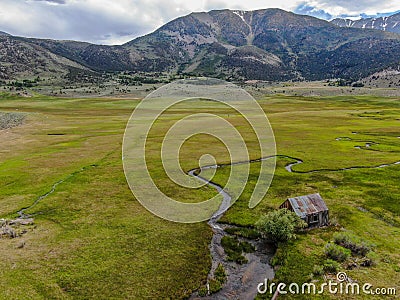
[
  {"x": 370, "y": 260},
  {"x": 337, "y": 252},
  {"x": 10, "y": 120},
  {"x": 334, "y": 222},
  {"x": 318, "y": 270},
  {"x": 331, "y": 266},
  {"x": 353, "y": 242}
]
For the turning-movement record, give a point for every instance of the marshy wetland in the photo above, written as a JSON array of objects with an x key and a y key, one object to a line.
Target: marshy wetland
[{"x": 92, "y": 239}]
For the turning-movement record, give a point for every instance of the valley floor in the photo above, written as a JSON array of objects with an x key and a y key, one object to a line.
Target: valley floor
[{"x": 92, "y": 239}]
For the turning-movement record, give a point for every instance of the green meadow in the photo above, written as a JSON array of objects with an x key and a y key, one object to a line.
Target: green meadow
[
  {"x": 93, "y": 239},
  {"x": 363, "y": 201}
]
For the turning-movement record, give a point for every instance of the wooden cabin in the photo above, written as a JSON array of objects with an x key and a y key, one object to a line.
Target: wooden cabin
[{"x": 311, "y": 208}]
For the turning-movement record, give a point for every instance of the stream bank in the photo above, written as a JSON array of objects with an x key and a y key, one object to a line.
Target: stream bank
[{"x": 242, "y": 280}]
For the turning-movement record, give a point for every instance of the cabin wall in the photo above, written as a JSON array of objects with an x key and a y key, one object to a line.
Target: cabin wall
[
  {"x": 323, "y": 219},
  {"x": 286, "y": 205}
]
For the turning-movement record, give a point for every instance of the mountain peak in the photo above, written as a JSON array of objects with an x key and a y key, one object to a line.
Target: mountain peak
[
  {"x": 267, "y": 44},
  {"x": 384, "y": 23}
]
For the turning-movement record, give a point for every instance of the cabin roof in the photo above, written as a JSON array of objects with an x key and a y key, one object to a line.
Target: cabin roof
[{"x": 307, "y": 205}]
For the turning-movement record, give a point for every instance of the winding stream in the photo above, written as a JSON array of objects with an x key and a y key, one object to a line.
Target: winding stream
[
  {"x": 21, "y": 213},
  {"x": 242, "y": 280},
  {"x": 290, "y": 166}
]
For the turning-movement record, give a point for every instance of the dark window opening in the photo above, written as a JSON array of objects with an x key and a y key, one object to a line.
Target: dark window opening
[{"x": 314, "y": 218}]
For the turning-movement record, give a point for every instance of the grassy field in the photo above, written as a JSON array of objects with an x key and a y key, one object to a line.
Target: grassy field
[
  {"x": 362, "y": 201},
  {"x": 94, "y": 240}
]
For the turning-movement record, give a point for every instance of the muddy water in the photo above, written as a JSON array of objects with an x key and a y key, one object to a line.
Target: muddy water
[{"x": 242, "y": 280}]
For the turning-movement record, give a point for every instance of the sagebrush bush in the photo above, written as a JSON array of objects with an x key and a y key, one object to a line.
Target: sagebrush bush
[
  {"x": 352, "y": 242},
  {"x": 337, "y": 252},
  {"x": 370, "y": 260},
  {"x": 318, "y": 270},
  {"x": 331, "y": 266}
]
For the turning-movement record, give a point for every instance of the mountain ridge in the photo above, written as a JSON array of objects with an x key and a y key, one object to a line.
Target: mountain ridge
[
  {"x": 389, "y": 23},
  {"x": 267, "y": 44}
]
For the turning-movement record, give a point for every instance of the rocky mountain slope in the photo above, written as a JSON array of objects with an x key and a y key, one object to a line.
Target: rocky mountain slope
[
  {"x": 391, "y": 23},
  {"x": 269, "y": 44},
  {"x": 24, "y": 59}
]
